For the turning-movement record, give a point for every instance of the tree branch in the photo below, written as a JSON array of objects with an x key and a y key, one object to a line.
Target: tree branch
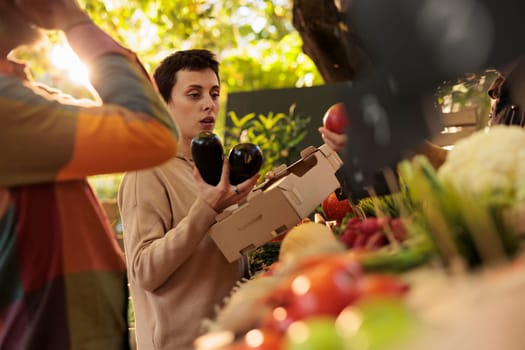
[{"x": 335, "y": 49}]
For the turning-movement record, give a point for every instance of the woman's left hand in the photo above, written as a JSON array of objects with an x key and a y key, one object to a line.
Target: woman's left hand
[{"x": 224, "y": 194}]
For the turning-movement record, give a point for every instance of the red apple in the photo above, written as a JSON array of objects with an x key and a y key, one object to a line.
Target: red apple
[{"x": 336, "y": 118}]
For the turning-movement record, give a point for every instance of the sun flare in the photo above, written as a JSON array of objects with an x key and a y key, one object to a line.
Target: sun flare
[{"x": 63, "y": 57}]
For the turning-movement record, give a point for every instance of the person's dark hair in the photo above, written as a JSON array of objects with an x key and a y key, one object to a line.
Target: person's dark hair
[
  {"x": 507, "y": 92},
  {"x": 196, "y": 59}
]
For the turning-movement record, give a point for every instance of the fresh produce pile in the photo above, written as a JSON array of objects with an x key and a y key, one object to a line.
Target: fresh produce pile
[
  {"x": 467, "y": 228},
  {"x": 347, "y": 281},
  {"x": 318, "y": 284},
  {"x": 315, "y": 291},
  {"x": 366, "y": 231}
]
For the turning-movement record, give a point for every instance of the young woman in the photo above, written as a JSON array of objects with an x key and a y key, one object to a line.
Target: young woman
[{"x": 177, "y": 274}]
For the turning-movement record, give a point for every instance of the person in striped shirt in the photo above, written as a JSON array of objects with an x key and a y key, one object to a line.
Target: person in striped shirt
[{"x": 62, "y": 275}]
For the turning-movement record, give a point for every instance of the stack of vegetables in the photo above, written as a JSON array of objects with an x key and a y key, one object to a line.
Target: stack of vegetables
[
  {"x": 472, "y": 206},
  {"x": 344, "y": 284},
  {"x": 317, "y": 296}
]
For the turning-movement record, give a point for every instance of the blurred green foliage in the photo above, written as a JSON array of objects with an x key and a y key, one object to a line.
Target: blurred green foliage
[
  {"x": 277, "y": 134},
  {"x": 106, "y": 186},
  {"x": 255, "y": 41},
  {"x": 469, "y": 90}
]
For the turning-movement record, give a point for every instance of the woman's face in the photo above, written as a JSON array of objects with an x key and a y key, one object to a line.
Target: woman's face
[{"x": 194, "y": 102}]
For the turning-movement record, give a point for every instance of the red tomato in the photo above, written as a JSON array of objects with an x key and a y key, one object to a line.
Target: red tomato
[
  {"x": 323, "y": 289},
  {"x": 336, "y": 118},
  {"x": 334, "y": 209}
]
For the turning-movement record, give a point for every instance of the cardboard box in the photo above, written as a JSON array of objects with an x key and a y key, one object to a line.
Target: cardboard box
[{"x": 277, "y": 205}]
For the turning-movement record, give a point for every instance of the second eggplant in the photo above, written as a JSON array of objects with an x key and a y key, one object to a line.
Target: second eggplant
[{"x": 245, "y": 160}]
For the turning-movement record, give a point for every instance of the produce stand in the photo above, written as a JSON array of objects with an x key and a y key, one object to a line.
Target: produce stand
[{"x": 453, "y": 279}]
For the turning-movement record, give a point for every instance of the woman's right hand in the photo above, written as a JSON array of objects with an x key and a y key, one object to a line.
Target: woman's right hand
[{"x": 224, "y": 194}]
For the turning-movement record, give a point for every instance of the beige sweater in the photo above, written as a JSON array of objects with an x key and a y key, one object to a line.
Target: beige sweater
[{"x": 177, "y": 274}]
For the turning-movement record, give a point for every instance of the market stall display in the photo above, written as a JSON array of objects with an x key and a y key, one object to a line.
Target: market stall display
[{"x": 424, "y": 268}]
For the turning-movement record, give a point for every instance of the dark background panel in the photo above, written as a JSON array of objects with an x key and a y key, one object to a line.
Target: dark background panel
[{"x": 310, "y": 101}]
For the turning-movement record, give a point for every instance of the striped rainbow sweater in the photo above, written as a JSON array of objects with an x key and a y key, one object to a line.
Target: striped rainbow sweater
[{"x": 62, "y": 275}]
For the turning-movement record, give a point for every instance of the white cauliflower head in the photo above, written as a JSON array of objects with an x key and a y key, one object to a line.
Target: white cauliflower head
[{"x": 489, "y": 163}]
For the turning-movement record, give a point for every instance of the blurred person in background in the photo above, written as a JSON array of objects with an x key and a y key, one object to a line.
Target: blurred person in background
[
  {"x": 506, "y": 97},
  {"x": 62, "y": 275}
]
